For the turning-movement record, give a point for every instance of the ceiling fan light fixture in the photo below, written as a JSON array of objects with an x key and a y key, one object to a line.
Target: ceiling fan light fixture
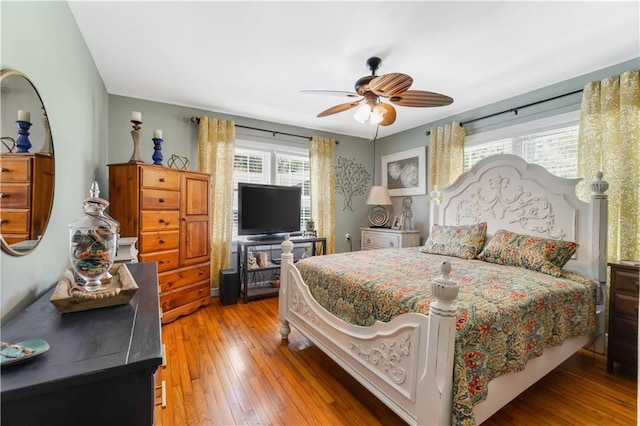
[
  {"x": 377, "y": 115},
  {"x": 362, "y": 114}
]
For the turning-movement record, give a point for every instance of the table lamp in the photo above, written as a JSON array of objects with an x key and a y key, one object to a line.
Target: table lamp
[{"x": 379, "y": 215}]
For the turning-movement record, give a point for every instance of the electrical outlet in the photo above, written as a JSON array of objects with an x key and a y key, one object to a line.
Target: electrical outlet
[{"x": 347, "y": 236}]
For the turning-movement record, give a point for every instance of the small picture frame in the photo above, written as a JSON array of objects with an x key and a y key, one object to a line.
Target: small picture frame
[{"x": 397, "y": 223}]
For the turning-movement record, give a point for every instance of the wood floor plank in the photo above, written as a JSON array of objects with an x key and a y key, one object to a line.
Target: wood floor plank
[{"x": 228, "y": 365}]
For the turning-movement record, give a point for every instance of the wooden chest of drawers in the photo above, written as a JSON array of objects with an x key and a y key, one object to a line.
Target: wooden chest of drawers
[
  {"x": 623, "y": 317},
  {"x": 26, "y": 193},
  {"x": 377, "y": 238},
  {"x": 168, "y": 210}
]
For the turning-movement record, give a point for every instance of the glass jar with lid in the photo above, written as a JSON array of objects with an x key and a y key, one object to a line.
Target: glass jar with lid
[{"x": 92, "y": 241}]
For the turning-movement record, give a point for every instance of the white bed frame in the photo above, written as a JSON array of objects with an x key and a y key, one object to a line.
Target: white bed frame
[{"x": 408, "y": 362}]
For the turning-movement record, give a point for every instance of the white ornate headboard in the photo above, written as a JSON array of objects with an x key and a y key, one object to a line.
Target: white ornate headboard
[{"x": 508, "y": 193}]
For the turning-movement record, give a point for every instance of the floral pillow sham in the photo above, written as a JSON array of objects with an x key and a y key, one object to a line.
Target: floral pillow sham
[
  {"x": 538, "y": 254},
  {"x": 464, "y": 241}
]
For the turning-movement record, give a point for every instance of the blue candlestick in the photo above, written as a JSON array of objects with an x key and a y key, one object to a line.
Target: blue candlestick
[
  {"x": 23, "y": 143},
  {"x": 157, "y": 151}
]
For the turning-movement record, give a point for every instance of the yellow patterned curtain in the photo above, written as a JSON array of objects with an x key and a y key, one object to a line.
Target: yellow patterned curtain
[
  {"x": 609, "y": 140},
  {"x": 322, "y": 169},
  {"x": 216, "y": 148},
  {"x": 447, "y": 153}
]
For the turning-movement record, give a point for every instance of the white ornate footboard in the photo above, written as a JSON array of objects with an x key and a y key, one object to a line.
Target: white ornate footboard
[{"x": 407, "y": 363}]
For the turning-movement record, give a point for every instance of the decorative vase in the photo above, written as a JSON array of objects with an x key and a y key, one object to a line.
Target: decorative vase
[{"x": 93, "y": 241}]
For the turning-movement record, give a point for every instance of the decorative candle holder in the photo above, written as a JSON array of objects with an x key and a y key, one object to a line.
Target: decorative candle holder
[
  {"x": 23, "y": 143},
  {"x": 157, "y": 151},
  {"x": 135, "y": 135}
]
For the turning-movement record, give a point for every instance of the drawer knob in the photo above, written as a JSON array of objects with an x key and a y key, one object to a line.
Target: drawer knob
[
  {"x": 162, "y": 179},
  {"x": 201, "y": 272},
  {"x": 161, "y": 200},
  {"x": 162, "y": 261},
  {"x": 390, "y": 243},
  {"x": 161, "y": 241},
  {"x": 165, "y": 221},
  {"x": 3, "y": 195},
  {"x": 368, "y": 240},
  {"x": 4, "y": 170},
  {"x": 4, "y": 221}
]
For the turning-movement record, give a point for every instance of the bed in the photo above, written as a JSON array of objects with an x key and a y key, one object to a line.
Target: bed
[{"x": 412, "y": 347}]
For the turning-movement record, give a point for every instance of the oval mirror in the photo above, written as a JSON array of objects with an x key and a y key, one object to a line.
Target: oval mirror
[{"x": 26, "y": 164}]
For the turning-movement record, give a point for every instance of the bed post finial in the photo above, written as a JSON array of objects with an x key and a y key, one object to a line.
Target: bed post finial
[
  {"x": 445, "y": 291},
  {"x": 599, "y": 186}
]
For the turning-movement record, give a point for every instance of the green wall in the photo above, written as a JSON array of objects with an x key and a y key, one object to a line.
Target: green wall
[{"x": 42, "y": 40}]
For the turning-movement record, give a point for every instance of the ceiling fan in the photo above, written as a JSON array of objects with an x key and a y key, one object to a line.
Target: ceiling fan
[{"x": 371, "y": 88}]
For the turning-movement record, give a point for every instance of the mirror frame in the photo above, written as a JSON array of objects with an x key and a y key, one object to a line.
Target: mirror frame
[{"x": 6, "y": 73}]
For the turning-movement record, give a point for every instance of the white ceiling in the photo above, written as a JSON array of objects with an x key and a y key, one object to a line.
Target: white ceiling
[{"x": 252, "y": 59}]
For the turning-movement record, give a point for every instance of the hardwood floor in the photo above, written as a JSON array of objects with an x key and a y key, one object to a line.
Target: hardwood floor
[{"x": 227, "y": 365}]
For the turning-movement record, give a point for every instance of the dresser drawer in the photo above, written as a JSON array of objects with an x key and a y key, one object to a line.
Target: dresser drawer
[
  {"x": 159, "y": 221},
  {"x": 626, "y": 282},
  {"x": 372, "y": 240},
  {"x": 184, "y": 295},
  {"x": 625, "y": 330},
  {"x": 626, "y": 306},
  {"x": 159, "y": 241},
  {"x": 15, "y": 169},
  {"x": 167, "y": 260},
  {"x": 159, "y": 178},
  {"x": 159, "y": 199},
  {"x": 15, "y": 195},
  {"x": 183, "y": 277},
  {"x": 14, "y": 221},
  {"x": 623, "y": 353}
]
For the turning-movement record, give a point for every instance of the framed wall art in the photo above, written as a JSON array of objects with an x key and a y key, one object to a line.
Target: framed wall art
[{"x": 405, "y": 173}]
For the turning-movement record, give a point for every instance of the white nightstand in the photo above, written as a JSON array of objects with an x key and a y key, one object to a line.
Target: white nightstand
[{"x": 378, "y": 238}]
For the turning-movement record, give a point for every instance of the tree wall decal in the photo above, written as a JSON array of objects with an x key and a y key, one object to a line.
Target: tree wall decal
[{"x": 351, "y": 179}]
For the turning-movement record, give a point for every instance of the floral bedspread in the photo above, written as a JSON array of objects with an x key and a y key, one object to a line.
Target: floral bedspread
[{"x": 506, "y": 315}]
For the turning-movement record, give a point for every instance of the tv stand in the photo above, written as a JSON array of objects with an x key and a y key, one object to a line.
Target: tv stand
[{"x": 247, "y": 275}]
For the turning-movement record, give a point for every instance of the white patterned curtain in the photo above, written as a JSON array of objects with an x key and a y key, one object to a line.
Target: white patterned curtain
[
  {"x": 447, "y": 153},
  {"x": 216, "y": 150},
  {"x": 609, "y": 141},
  {"x": 322, "y": 170}
]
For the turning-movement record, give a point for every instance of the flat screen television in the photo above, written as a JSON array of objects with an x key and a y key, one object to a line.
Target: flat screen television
[{"x": 268, "y": 209}]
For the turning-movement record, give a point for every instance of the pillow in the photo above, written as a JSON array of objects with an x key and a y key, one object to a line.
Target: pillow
[
  {"x": 463, "y": 241},
  {"x": 535, "y": 253}
]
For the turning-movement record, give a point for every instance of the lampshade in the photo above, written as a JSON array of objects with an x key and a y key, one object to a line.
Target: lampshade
[
  {"x": 379, "y": 196},
  {"x": 362, "y": 113}
]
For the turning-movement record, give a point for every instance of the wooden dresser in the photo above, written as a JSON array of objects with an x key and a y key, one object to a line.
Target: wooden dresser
[
  {"x": 623, "y": 317},
  {"x": 168, "y": 210},
  {"x": 26, "y": 192},
  {"x": 377, "y": 238},
  {"x": 100, "y": 366}
]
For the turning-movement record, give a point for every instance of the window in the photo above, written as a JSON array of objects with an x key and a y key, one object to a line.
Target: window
[
  {"x": 551, "y": 143},
  {"x": 270, "y": 164}
]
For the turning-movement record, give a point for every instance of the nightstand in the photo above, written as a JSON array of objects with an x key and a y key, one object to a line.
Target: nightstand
[
  {"x": 378, "y": 238},
  {"x": 623, "y": 317}
]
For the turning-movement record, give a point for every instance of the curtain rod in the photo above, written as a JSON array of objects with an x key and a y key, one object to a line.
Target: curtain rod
[
  {"x": 196, "y": 120},
  {"x": 515, "y": 110}
]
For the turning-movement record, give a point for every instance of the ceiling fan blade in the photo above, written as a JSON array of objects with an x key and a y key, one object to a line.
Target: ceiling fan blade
[
  {"x": 390, "y": 84},
  {"x": 420, "y": 98},
  {"x": 339, "y": 108},
  {"x": 332, "y": 93}
]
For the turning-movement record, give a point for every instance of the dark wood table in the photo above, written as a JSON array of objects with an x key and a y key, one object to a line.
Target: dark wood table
[{"x": 99, "y": 368}]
